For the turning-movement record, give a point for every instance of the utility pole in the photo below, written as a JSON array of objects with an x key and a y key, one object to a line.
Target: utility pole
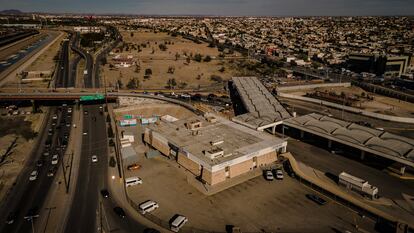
[{"x": 30, "y": 218}]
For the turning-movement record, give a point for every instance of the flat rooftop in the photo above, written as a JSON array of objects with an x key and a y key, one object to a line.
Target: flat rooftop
[
  {"x": 379, "y": 142},
  {"x": 262, "y": 107},
  {"x": 237, "y": 140}
]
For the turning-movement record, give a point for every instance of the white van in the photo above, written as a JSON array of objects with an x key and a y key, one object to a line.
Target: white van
[
  {"x": 148, "y": 206},
  {"x": 130, "y": 181},
  {"x": 177, "y": 222}
]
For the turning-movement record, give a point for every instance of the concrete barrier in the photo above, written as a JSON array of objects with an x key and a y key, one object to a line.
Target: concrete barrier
[
  {"x": 350, "y": 109},
  {"x": 311, "y": 86}
]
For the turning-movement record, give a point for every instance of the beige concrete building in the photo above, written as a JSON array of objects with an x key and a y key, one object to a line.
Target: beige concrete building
[{"x": 212, "y": 148}]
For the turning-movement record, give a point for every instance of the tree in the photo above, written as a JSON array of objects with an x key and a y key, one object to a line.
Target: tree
[
  {"x": 198, "y": 57},
  {"x": 171, "y": 83},
  {"x": 182, "y": 85},
  {"x": 148, "y": 71},
  {"x": 188, "y": 60},
  {"x": 132, "y": 84},
  {"x": 222, "y": 69},
  {"x": 120, "y": 84},
  {"x": 177, "y": 56},
  {"x": 207, "y": 58},
  {"x": 171, "y": 70},
  {"x": 132, "y": 34},
  {"x": 162, "y": 47}
]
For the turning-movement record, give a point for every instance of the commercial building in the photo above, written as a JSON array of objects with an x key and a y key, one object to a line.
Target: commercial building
[
  {"x": 387, "y": 66},
  {"x": 212, "y": 148}
]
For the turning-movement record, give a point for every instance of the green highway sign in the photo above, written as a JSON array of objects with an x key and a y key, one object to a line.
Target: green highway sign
[{"x": 92, "y": 97}]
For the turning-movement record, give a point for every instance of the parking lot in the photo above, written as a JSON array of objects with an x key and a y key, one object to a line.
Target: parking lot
[{"x": 254, "y": 206}]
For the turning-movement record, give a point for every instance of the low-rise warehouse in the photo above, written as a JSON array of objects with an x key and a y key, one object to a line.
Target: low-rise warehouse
[{"x": 212, "y": 148}]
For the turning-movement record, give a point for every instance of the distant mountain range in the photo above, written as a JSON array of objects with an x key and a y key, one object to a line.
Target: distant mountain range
[{"x": 11, "y": 12}]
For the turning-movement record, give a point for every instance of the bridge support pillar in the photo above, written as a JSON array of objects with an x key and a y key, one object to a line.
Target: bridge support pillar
[
  {"x": 302, "y": 134},
  {"x": 274, "y": 130},
  {"x": 329, "y": 143},
  {"x": 402, "y": 170},
  {"x": 362, "y": 157},
  {"x": 33, "y": 106}
]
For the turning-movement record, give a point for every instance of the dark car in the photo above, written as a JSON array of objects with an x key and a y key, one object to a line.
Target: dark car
[
  {"x": 151, "y": 230},
  {"x": 120, "y": 212},
  {"x": 39, "y": 163},
  {"x": 316, "y": 199},
  {"x": 11, "y": 218},
  {"x": 105, "y": 193}
]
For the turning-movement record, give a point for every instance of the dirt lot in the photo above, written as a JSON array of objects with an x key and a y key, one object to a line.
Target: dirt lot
[
  {"x": 380, "y": 104},
  {"x": 175, "y": 56},
  {"x": 23, "y": 128}
]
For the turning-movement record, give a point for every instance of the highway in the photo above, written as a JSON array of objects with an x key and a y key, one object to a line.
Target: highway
[
  {"x": 87, "y": 78},
  {"x": 62, "y": 76},
  {"x": 91, "y": 177}
]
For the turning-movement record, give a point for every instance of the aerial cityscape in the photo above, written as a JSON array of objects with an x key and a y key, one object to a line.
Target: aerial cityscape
[{"x": 191, "y": 116}]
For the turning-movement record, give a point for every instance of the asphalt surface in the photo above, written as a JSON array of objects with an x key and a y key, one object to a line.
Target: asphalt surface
[
  {"x": 92, "y": 176},
  {"x": 323, "y": 160},
  {"x": 87, "y": 78},
  {"x": 73, "y": 71},
  {"x": 63, "y": 73},
  {"x": 27, "y": 194}
]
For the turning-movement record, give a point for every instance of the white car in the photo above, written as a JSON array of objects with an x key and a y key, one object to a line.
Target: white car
[
  {"x": 69, "y": 110},
  {"x": 148, "y": 206},
  {"x": 279, "y": 174},
  {"x": 85, "y": 133},
  {"x": 268, "y": 175},
  {"x": 177, "y": 222},
  {"x": 94, "y": 158},
  {"x": 33, "y": 175},
  {"x": 55, "y": 159}
]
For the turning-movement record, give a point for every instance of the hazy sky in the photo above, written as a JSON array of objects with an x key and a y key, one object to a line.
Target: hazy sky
[{"x": 218, "y": 7}]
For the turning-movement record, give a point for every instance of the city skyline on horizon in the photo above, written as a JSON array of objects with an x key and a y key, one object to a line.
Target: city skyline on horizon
[{"x": 277, "y": 8}]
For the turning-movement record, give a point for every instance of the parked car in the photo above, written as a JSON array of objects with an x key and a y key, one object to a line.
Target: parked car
[
  {"x": 33, "y": 175},
  {"x": 148, "y": 206},
  {"x": 120, "y": 212},
  {"x": 269, "y": 175},
  {"x": 133, "y": 166},
  {"x": 316, "y": 199},
  {"x": 279, "y": 174},
  {"x": 177, "y": 222},
  {"x": 94, "y": 158}
]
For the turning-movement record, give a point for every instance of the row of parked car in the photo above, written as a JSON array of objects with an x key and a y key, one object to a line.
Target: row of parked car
[{"x": 271, "y": 174}]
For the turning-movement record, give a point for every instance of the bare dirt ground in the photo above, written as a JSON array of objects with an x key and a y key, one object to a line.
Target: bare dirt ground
[
  {"x": 152, "y": 57},
  {"x": 23, "y": 128},
  {"x": 380, "y": 104}
]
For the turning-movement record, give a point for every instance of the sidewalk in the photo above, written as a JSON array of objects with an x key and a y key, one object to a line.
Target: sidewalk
[{"x": 53, "y": 215}]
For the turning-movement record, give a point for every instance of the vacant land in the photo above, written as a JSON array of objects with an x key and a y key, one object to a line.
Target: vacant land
[
  {"x": 17, "y": 134},
  {"x": 159, "y": 57}
]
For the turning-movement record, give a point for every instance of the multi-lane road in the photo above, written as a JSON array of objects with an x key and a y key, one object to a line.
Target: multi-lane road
[{"x": 28, "y": 196}]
